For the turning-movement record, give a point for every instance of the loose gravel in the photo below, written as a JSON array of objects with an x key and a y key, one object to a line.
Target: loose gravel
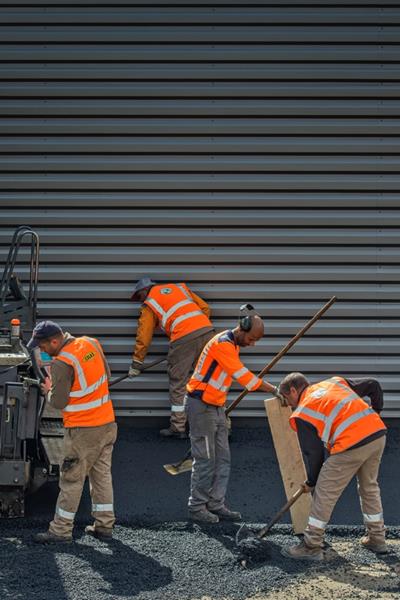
[{"x": 157, "y": 555}]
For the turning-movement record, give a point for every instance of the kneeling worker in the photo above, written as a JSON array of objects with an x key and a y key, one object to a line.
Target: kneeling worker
[
  {"x": 205, "y": 406},
  {"x": 79, "y": 387},
  {"x": 332, "y": 414}
]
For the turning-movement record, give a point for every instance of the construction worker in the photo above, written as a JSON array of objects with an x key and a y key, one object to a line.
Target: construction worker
[
  {"x": 206, "y": 396},
  {"x": 184, "y": 317},
  {"x": 331, "y": 417},
  {"x": 79, "y": 387}
]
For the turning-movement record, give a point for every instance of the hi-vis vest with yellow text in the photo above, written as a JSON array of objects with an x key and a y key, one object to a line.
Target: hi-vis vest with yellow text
[
  {"x": 340, "y": 416},
  {"x": 176, "y": 310},
  {"x": 89, "y": 401}
]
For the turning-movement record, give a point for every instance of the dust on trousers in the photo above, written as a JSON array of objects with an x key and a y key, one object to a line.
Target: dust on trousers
[
  {"x": 87, "y": 453},
  {"x": 182, "y": 358},
  {"x": 211, "y": 455},
  {"x": 335, "y": 475}
]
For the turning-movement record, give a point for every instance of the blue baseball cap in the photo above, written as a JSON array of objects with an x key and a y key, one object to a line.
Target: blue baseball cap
[
  {"x": 43, "y": 331},
  {"x": 142, "y": 284}
]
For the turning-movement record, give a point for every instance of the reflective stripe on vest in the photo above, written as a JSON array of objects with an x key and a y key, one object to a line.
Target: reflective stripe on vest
[
  {"x": 333, "y": 408},
  {"x": 85, "y": 389},
  {"x": 326, "y": 436},
  {"x": 217, "y": 384},
  {"x": 356, "y": 417},
  {"x": 87, "y": 405},
  {"x": 166, "y": 315},
  {"x": 89, "y": 400}
]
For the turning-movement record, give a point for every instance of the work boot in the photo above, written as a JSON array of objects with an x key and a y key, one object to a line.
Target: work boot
[
  {"x": 171, "y": 433},
  {"x": 203, "y": 516},
  {"x": 303, "y": 552},
  {"x": 101, "y": 533},
  {"x": 379, "y": 547},
  {"x": 51, "y": 538},
  {"x": 226, "y": 514}
]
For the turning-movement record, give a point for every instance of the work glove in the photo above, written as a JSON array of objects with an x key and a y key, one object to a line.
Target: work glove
[
  {"x": 135, "y": 369},
  {"x": 307, "y": 488},
  {"x": 278, "y": 395}
]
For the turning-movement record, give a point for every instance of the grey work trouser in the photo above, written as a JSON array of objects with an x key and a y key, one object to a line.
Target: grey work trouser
[
  {"x": 336, "y": 473},
  {"x": 87, "y": 453},
  {"x": 182, "y": 358},
  {"x": 211, "y": 455}
]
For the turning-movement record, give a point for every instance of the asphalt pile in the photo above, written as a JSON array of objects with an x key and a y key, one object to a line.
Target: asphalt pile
[{"x": 157, "y": 555}]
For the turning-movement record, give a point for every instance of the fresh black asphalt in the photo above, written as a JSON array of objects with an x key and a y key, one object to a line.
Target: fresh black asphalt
[{"x": 156, "y": 554}]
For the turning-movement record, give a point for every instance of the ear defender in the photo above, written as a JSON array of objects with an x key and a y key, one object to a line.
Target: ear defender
[{"x": 245, "y": 320}]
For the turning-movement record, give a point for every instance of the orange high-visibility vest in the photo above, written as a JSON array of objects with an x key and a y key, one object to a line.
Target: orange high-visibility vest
[
  {"x": 89, "y": 401},
  {"x": 176, "y": 310},
  {"x": 340, "y": 416},
  {"x": 219, "y": 362}
]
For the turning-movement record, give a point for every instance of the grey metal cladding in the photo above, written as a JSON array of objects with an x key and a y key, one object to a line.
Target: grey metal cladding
[{"x": 249, "y": 149}]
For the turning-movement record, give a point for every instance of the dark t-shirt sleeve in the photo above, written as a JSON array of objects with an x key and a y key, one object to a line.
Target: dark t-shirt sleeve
[
  {"x": 312, "y": 450},
  {"x": 368, "y": 387}
]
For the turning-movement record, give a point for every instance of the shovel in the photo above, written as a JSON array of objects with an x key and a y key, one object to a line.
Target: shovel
[
  {"x": 149, "y": 366},
  {"x": 185, "y": 464},
  {"x": 251, "y": 547}
]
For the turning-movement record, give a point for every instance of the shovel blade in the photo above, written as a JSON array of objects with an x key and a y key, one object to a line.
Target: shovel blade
[{"x": 178, "y": 468}]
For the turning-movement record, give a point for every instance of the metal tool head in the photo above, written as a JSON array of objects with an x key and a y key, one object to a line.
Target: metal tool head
[{"x": 178, "y": 468}]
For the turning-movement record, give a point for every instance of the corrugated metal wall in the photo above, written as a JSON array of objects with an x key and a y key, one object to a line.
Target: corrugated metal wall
[{"x": 249, "y": 149}]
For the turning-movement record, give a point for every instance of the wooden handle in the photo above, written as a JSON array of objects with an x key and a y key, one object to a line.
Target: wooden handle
[
  {"x": 280, "y": 513},
  {"x": 284, "y": 350}
]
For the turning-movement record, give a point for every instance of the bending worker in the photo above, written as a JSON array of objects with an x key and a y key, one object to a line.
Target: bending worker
[
  {"x": 79, "y": 387},
  {"x": 184, "y": 317},
  {"x": 331, "y": 415},
  {"x": 205, "y": 405}
]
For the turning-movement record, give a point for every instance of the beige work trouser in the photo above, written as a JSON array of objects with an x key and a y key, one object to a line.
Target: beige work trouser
[
  {"x": 182, "y": 358},
  {"x": 87, "y": 453},
  {"x": 336, "y": 473}
]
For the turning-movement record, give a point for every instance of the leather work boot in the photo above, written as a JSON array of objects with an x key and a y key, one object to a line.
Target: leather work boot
[
  {"x": 170, "y": 433},
  {"x": 203, "y": 516},
  {"x": 51, "y": 538},
  {"x": 101, "y": 533},
  {"x": 379, "y": 547},
  {"x": 303, "y": 552},
  {"x": 226, "y": 514}
]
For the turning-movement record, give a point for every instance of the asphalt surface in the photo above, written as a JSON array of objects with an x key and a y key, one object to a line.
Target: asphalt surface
[{"x": 157, "y": 555}]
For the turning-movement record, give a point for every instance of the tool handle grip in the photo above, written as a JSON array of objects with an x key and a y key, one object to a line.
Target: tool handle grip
[
  {"x": 279, "y": 514},
  {"x": 284, "y": 350},
  {"x": 149, "y": 366}
]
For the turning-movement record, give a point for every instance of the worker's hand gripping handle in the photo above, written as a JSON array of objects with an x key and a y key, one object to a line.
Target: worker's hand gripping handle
[{"x": 284, "y": 350}]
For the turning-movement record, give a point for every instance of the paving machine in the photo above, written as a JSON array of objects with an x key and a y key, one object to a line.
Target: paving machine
[{"x": 31, "y": 432}]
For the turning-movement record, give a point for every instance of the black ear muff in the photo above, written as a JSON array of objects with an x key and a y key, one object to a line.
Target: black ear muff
[{"x": 245, "y": 320}]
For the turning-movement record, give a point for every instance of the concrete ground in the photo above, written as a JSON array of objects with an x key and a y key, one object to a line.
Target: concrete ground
[{"x": 157, "y": 555}]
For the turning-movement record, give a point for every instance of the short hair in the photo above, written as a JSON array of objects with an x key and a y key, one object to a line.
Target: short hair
[{"x": 296, "y": 380}]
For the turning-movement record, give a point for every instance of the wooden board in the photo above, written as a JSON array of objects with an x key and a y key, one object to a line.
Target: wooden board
[{"x": 290, "y": 460}]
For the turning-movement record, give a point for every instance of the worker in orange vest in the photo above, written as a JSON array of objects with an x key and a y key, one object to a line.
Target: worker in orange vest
[
  {"x": 207, "y": 390},
  {"x": 79, "y": 387},
  {"x": 331, "y": 418},
  {"x": 184, "y": 317}
]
